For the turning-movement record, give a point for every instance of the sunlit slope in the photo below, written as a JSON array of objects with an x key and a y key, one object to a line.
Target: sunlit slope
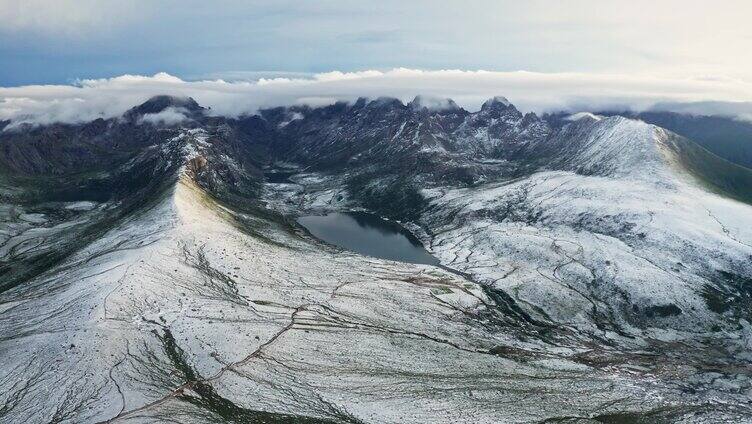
[{"x": 46, "y": 217}]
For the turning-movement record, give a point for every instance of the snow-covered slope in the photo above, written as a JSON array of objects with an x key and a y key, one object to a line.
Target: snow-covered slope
[
  {"x": 614, "y": 147},
  {"x": 616, "y": 232},
  {"x": 594, "y": 273},
  {"x": 618, "y": 237},
  {"x": 193, "y": 312}
]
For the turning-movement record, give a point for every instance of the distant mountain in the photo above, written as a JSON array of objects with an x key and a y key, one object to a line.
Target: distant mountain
[{"x": 375, "y": 129}]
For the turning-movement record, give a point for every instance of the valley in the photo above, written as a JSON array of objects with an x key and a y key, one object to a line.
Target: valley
[{"x": 590, "y": 273}]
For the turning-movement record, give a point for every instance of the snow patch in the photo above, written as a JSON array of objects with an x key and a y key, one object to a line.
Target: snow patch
[
  {"x": 583, "y": 115},
  {"x": 293, "y": 117}
]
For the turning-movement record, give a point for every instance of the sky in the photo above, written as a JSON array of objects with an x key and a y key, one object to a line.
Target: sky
[{"x": 635, "y": 52}]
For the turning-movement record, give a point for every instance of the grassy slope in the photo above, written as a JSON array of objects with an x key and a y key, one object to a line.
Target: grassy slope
[{"x": 713, "y": 172}]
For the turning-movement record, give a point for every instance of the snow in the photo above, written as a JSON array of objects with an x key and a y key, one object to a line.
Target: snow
[
  {"x": 560, "y": 231},
  {"x": 277, "y": 323},
  {"x": 294, "y": 116},
  {"x": 81, "y": 206},
  {"x": 273, "y": 320},
  {"x": 583, "y": 115}
]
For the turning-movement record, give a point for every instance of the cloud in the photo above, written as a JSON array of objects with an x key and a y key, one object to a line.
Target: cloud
[
  {"x": 433, "y": 103},
  {"x": 293, "y": 117},
  {"x": 55, "y": 40},
  {"x": 530, "y": 91},
  {"x": 67, "y": 17},
  {"x": 583, "y": 115},
  {"x": 739, "y": 110},
  {"x": 169, "y": 116}
]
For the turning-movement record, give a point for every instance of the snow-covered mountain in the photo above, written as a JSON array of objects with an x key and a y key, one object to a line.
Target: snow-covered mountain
[{"x": 595, "y": 270}]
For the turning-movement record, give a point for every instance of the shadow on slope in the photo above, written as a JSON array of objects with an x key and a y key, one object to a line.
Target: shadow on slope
[{"x": 713, "y": 172}]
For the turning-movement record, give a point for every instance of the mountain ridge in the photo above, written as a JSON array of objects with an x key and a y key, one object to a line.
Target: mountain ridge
[{"x": 159, "y": 273}]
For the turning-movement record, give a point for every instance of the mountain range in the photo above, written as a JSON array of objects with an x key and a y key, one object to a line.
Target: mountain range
[{"x": 594, "y": 267}]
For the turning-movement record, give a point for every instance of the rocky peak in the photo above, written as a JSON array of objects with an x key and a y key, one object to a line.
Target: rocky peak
[
  {"x": 496, "y": 104},
  {"x": 157, "y": 104},
  {"x": 385, "y": 103},
  {"x": 529, "y": 119},
  {"x": 187, "y": 106},
  {"x": 360, "y": 103},
  {"x": 433, "y": 104},
  {"x": 498, "y": 109}
]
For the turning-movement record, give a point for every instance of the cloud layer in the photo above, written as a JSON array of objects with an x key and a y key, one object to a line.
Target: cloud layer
[
  {"x": 530, "y": 91},
  {"x": 54, "y": 41},
  {"x": 65, "y": 17},
  {"x": 169, "y": 116}
]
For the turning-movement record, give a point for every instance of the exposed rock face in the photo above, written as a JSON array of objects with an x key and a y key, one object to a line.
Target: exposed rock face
[
  {"x": 363, "y": 132},
  {"x": 596, "y": 270},
  {"x": 500, "y": 130}
]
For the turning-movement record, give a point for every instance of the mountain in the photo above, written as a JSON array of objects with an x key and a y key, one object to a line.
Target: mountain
[
  {"x": 593, "y": 268},
  {"x": 727, "y": 137}
]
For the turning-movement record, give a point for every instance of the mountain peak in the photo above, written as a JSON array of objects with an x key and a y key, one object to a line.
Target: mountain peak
[
  {"x": 159, "y": 103},
  {"x": 386, "y": 103},
  {"x": 583, "y": 116},
  {"x": 496, "y": 103},
  {"x": 435, "y": 104},
  {"x": 165, "y": 109}
]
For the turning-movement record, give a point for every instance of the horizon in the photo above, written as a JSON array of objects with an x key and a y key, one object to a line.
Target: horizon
[
  {"x": 86, "y": 100},
  {"x": 95, "y": 57}
]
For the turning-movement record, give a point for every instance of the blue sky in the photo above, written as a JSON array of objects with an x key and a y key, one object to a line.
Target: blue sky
[
  {"x": 75, "y": 60},
  {"x": 59, "y": 41}
]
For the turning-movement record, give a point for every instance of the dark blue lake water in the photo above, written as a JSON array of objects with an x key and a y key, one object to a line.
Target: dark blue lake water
[{"x": 369, "y": 235}]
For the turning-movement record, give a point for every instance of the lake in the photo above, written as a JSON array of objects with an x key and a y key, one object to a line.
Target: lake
[{"x": 369, "y": 235}]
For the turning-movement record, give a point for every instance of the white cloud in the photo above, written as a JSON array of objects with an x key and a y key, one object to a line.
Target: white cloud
[
  {"x": 583, "y": 115},
  {"x": 433, "y": 103},
  {"x": 169, "y": 116},
  {"x": 293, "y": 117},
  {"x": 740, "y": 110},
  {"x": 667, "y": 37},
  {"x": 91, "y": 99}
]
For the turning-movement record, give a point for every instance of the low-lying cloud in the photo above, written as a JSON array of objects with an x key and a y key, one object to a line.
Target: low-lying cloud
[
  {"x": 529, "y": 91},
  {"x": 169, "y": 116}
]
